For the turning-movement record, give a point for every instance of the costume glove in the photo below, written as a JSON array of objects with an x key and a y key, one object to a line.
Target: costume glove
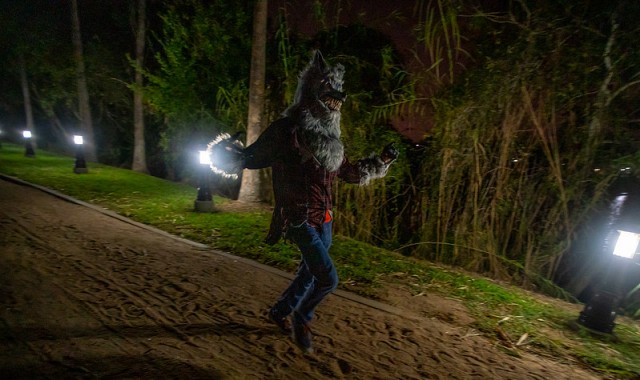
[
  {"x": 227, "y": 154},
  {"x": 389, "y": 154}
]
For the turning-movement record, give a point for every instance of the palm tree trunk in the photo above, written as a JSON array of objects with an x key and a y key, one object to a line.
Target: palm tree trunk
[
  {"x": 84, "y": 107},
  {"x": 26, "y": 95},
  {"x": 250, "y": 187},
  {"x": 139, "y": 163}
]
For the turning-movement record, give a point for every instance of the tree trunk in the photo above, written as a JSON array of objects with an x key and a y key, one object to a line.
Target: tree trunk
[
  {"x": 84, "y": 107},
  {"x": 139, "y": 163},
  {"x": 250, "y": 187},
  {"x": 26, "y": 95}
]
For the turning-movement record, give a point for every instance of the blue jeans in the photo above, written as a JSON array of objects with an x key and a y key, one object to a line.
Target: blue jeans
[{"x": 316, "y": 276}]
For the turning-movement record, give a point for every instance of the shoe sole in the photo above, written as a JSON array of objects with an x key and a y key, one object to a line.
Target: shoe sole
[{"x": 284, "y": 331}]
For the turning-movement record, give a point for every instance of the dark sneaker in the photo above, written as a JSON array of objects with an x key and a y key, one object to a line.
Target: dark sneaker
[
  {"x": 283, "y": 323},
  {"x": 302, "y": 334}
]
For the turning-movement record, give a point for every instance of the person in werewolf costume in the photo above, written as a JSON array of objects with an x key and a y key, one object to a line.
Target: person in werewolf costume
[{"x": 304, "y": 150}]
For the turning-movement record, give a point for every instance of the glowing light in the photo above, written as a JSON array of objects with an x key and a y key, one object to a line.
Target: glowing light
[
  {"x": 627, "y": 244},
  {"x": 26, "y": 134},
  {"x": 78, "y": 140},
  {"x": 205, "y": 159}
]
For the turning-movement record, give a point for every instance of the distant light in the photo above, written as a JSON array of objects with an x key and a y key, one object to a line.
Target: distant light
[
  {"x": 26, "y": 134},
  {"x": 627, "y": 244},
  {"x": 78, "y": 140},
  {"x": 596, "y": 170},
  {"x": 205, "y": 159}
]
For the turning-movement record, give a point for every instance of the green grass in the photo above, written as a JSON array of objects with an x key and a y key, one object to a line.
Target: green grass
[{"x": 502, "y": 312}]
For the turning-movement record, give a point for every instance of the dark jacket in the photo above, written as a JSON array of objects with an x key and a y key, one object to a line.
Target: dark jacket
[{"x": 301, "y": 186}]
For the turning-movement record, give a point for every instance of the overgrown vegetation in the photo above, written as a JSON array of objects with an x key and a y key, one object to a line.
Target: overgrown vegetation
[
  {"x": 514, "y": 150},
  {"x": 526, "y": 139},
  {"x": 198, "y": 94},
  {"x": 502, "y": 312}
]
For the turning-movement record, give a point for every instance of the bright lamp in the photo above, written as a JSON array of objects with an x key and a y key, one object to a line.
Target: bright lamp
[
  {"x": 627, "y": 244},
  {"x": 205, "y": 159},
  {"x": 599, "y": 313},
  {"x": 204, "y": 199},
  {"x": 80, "y": 165},
  {"x": 28, "y": 147}
]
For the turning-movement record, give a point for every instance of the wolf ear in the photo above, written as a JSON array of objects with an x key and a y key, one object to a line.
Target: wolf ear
[{"x": 318, "y": 60}]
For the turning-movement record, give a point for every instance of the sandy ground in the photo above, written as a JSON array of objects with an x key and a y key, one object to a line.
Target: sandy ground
[{"x": 85, "y": 295}]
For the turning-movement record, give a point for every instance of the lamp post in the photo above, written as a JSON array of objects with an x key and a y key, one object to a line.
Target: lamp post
[
  {"x": 28, "y": 147},
  {"x": 599, "y": 313},
  {"x": 80, "y": 164},
  {"x": 204, "y": 200}
]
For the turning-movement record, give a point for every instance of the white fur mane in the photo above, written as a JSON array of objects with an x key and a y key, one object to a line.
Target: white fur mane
[{"x": 318, "y": 126}]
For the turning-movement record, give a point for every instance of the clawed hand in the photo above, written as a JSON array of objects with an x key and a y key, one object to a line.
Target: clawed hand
[{"x": 389, "y": 154}]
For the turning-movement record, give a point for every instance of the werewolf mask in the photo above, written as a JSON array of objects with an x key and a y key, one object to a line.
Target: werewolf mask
[{"x": 316, "y": 110}]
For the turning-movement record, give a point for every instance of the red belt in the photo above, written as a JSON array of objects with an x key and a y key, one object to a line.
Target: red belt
[{"x": 328, "y": 216}]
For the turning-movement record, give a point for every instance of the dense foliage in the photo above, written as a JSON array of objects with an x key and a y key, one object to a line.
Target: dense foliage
[
  {"x": 203, "y": 61},
  {"x": 526, "y": 143}
]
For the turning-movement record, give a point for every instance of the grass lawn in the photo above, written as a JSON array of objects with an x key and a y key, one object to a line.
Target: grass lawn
[{"x": 499, "y": 310}]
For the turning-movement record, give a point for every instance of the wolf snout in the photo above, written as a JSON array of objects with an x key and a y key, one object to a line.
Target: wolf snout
[{"x": 334, "y": 100}]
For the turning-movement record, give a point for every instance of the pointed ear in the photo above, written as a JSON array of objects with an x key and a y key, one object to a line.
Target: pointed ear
[{"x": 318, "y": 60}]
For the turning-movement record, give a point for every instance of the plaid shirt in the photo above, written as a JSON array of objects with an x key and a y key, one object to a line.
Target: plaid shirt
[{"x": 302, "y": 188}]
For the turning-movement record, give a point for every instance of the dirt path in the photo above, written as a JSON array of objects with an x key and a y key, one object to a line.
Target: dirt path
[{"x": 84, "y": 295}]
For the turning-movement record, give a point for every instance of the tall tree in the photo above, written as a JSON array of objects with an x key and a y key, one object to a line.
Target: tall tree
[
  {"x": 84, "y": 106},
  {"x": 139, "y": 152},
  {"x": 250, "y": 187},
  {"x": 26, "y": 94}
]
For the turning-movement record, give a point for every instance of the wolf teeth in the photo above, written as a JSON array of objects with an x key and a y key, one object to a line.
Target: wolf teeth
[{"x": 333, "y": 104}]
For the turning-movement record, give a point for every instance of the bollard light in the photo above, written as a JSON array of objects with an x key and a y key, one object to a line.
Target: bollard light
[
  {"x": 627, "y": 244},
  {"x": 28, "y": 146},
  {"x": 599, "y": 313},
  {"x": 204, "y": 157},
  {"x": 204, "y": 200},
  {"x": 80, "y": 165}
]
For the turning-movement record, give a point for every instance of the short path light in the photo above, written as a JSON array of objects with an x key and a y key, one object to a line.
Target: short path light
[
  {"x": 80, "y": 165},
  {"x": 627, "y": 244},
  {"x": 28, "y": 147},
  {"x": 599, "y": 314},
  {"x": 204, "y": 201}
]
